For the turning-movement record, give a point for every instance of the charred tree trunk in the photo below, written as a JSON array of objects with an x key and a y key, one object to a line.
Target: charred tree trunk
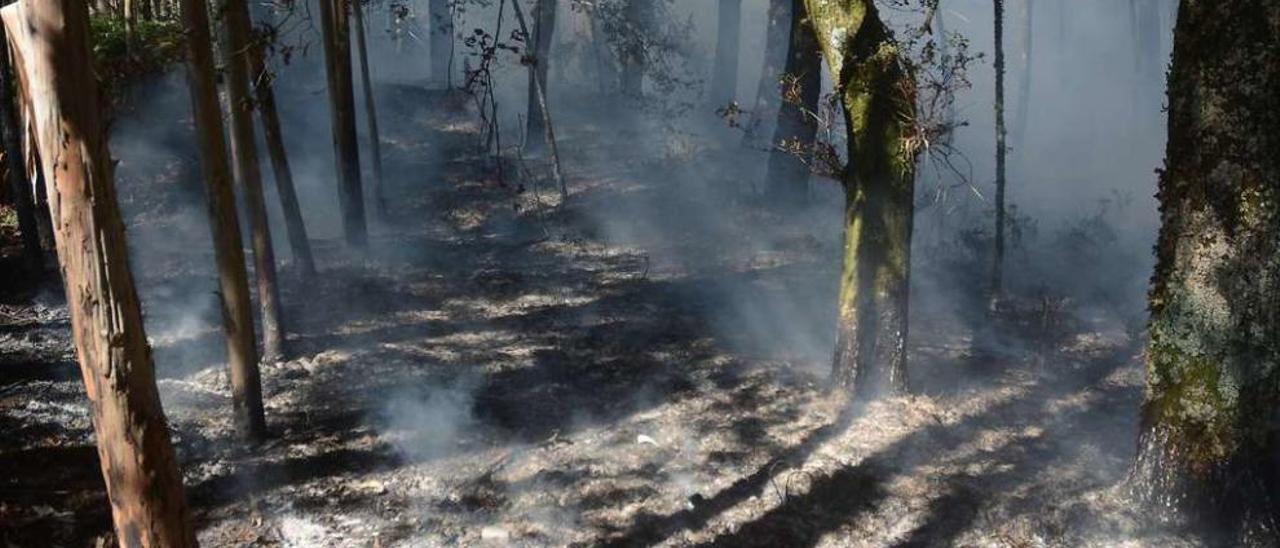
[
  {"x": 768, "y": 95},
  {"x": 875, "y": 88},
  {"x": 1209, "y": 448},
  {"x": 224, "y": 226},
  {"x": 724, "y": 86},
  {"x": 237, "y": 52},
  {"x": 441, "y": 20},
  {"x": 346, "y": 147},
  {"x": 789, "y": 169},
  {"x": 24, "y": 201},
  {"x": 1002, "y": 151},
  {"x": 544, "y": 28},
  {"x": 273, "y": 135},
  {"x": 370, "y": 113},
  {"x": 137, "y": 458}
]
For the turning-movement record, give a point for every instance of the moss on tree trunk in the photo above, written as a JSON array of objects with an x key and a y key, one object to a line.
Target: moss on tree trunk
[
  {"x": 878, "y": 94},
  {"x": 1208, "y": 452}
]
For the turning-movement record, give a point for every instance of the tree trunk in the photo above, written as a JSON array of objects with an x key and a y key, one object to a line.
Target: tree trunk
[
  {"x": 441, "y": 20},
  {"x": 346, "y": 147},
  {"x": 370, "y": 113},
  {"x": 787, "y": 181},
  {"x": 997, "y": 263},
  {"x": 540, "y": 99},
  {"x": 544, "y": 28},
  {"x": 44, "y": 223},
  {"x": 870, "y": 357},
  {"x": 1209, "y": 448},
  {"x": 1025, "y": 49},
  {"x": 224, "y": 226},
  {"x": 269, "y": 115},
  {"x": 724, "y": 86},
  {"x": 236, "y": 52},
  {"x": 768, "y": 96},
  {"x": 24, "y": 202},
  {"x": 130, "y": 22},
  {"x": 944, "y": 51},
  {"x": 639, "y": 15},
  {"x": 137, "y": 459},
  {"x": 606, "y": 70}
]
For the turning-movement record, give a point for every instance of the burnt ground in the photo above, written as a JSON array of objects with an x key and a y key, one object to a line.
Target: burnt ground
[{"x": 641, "y": 366}]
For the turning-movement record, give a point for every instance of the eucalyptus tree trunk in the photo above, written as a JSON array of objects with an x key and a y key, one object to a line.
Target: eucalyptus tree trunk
[
  {"x": 544, "y": 29},
  {"x": 787, "y": 182},
  {"x": 24, "y": 202},
  {"x": 724, "y": 84},
  {"x": 768, "y": 95},
  {"x": 370, "y": 112},
  {"x": 879, "y": 106},
  {"x": 224, "y": 226},
  {"x": 440, "y": 17},
  {"x": 273, "y": 136},
  {"x": 1209, "y": 448},
  {"x": 237, "y": 51},
  {"x": 144, "y": 485},
  {"x": 1002, "y": 151},
  {"x": 346, "y": 148}
]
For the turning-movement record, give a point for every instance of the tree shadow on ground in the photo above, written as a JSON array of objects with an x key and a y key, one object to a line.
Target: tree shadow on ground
[{"x": 837, "y": 499}]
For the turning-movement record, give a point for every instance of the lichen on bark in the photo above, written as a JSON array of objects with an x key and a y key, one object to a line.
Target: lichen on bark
[
  {"x": 1209, "y": 450},
  {"x": 878, "y": 94}
]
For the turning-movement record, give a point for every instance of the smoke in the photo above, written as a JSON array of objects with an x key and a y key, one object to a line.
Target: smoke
[
  {"x": 666, "y": 180},
  {"x": 429, "y": 422}
]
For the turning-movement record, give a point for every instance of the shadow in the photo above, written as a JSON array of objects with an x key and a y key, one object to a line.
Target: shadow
[
  {"x": 838, "y": 498},
  {"x": 57, "y": 499},
  {"x": 260, "y": 477}
]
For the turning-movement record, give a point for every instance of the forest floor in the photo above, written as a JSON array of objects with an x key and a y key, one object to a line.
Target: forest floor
[{"x": 642, "y": 366}]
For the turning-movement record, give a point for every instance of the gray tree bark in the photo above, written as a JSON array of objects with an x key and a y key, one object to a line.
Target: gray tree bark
[{"x": 1209, "y": 449}]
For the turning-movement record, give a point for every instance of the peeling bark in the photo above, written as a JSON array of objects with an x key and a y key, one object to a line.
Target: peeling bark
[{"x": 138, "y": 464}]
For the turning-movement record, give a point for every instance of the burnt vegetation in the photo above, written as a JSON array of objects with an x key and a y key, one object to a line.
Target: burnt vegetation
[{"x": 639, "y": 273}]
